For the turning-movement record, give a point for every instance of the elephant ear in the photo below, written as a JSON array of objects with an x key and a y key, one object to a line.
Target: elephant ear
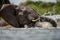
[{"x": 7, "y": 12}]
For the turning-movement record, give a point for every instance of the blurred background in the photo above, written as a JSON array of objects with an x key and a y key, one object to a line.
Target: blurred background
[{"x": 46, "y": 7}]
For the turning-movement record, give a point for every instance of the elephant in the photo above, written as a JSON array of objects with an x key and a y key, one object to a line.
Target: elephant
[{"x": 18, "y": 16}]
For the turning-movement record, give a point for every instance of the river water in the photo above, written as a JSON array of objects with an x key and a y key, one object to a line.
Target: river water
[{"x": 29, "y": 34}]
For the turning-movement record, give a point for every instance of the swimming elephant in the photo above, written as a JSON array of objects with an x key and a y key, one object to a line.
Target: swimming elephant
[{"x": 17, "y": 16}]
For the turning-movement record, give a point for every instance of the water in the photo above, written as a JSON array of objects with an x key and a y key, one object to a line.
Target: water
[{"x": 29, "y": 34}]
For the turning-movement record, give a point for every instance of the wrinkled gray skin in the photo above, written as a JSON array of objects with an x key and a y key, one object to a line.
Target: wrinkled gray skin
[
  {"x": 26, "y": 15},
  {"x": 16, "y": 16},
  {"x": 8, "y": 12}
]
